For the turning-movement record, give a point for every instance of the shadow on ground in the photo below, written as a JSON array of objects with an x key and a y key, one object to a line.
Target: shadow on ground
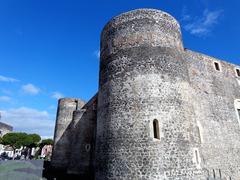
[
  {"x": 21, "y": 170},
  {"x": 31, "y": 170}
]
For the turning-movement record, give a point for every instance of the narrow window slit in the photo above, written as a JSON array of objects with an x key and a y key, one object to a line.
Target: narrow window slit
[
  {"x": 217, "y": 67},
  {"x": 238, "y": 72},
  {"x": 196, "y": 155},
  {"x": 199, "y": 134},
  {"x": 237, "y": 109},
  {"x": 156, "y": 129},
  {"x": 214, "y": 175},
  {"x": 76, "y": 105},
  {"x": 220, "y": 173}
]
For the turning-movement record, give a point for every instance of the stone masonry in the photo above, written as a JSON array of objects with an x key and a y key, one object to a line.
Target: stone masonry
[
  {"x": 5, "y": 128},
  {"x": 162, "y": 112}
]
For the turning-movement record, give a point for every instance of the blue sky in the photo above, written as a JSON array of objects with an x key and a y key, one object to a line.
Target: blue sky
[{"x": 49, "y": 49}]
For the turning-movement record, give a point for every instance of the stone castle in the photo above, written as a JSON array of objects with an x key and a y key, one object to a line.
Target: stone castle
[
  {"x": 162, "y": 112},
  {"x": 5, "y": 128}
]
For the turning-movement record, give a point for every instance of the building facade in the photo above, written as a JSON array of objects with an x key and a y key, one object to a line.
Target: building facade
[
  {"x": 162, "y": 112},
  {"x": 46, "y": 151},
  {"x": 4, "y": 129}
]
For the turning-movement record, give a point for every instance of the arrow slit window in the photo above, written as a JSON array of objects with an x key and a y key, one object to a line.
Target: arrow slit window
[{"x": 156, "y": 132}]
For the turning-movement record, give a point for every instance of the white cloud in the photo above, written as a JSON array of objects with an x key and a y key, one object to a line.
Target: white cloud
[
  {"x": 30, "y": 120},
  {"x": 57, "y": 95},
  {"x": 185, "y": 16},
  {"x": 97, "y": 53},
  {"x": 7, "y": 79},
  {"x": 30, "y": 89},
  {"x": 203, "y": 25},
  {"x": 5, "y": 99}
]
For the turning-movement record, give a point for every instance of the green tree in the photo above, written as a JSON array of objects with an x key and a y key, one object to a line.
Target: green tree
[
  {"x": 33, "y": 140},
  {"x": 18, "y": 139},
  {"x": 29, "y": 142},
  {"x": 14, "y": 140},
  {"x": 46, "y": 142}
]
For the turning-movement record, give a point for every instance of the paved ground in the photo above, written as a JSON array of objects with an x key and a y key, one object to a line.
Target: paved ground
[{"x": 21, "y": 170}]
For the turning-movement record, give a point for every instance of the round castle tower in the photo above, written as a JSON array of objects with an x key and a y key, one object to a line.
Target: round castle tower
[
  {"x": 144, "y": 115},
  {"x": 64, "y": 131}
]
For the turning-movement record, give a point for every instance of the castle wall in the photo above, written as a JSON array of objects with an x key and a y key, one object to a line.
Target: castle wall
[
  {"x": 214, "y": 94},
  {"x": 83, "y": 144},
  {"x": 64, "y": 131},
  {"x": 143, "y": 77},
  {"x": 161, "y": 112},
  {"x": 5, "y": 128}
]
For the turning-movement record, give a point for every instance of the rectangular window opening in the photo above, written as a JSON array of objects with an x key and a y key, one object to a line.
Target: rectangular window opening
[
  {"x": 196, "y": 154},
  {"x": 220, "y": 173},
  {"x": 199, "y": 134},
  {"x": 217, "y": 67},
  {"x": 238, "y": 110},
  {"x": 156, "y": 132},
  {"x": 238, "y": 72}
]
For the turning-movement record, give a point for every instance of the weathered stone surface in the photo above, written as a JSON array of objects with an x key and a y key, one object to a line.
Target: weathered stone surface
[
  {"x": 5, "y": 128},
  {"x": 147, "y": 76},
  {"x": 213, "y": 96},
  {"x": 139, "y": 83},
  {"x": 63, "y": 131},
  {"x": 83, "y": 143}
]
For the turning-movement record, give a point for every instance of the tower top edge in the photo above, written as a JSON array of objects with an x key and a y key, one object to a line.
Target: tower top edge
[
  {"x": 70, "y": 100},
  {"x": 150, "y": 13}
]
